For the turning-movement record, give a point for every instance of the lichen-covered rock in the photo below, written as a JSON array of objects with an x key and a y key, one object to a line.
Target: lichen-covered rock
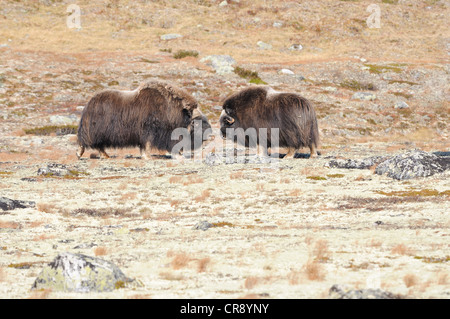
[
  {"x": 343, "y": 292},
  {"x": 356, "y": 164},
  {"x": 10, "y": 204},
  {"x": 413, "y": 164},
  {"x": 80, "y": 273}
]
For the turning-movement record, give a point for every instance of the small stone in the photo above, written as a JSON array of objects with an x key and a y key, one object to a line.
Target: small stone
[
  {"x": 171, "y": 36},
  {"x": 401, "y": 105},
  {"x": 203, "y": 225},
  {"x": 264, "y": 46},
  {"x": 365, "y": 96},
  {"x": 223, "y": 4},
  {"x": 286, "y": 71},
  {"x": 296, "y": 47},
  {"x": 277, "y": 24}
]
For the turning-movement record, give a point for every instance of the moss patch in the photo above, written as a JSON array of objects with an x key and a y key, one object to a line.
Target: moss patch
[
  {"x": 252, "y": 76},
  {"x": 53, "y": 129}
]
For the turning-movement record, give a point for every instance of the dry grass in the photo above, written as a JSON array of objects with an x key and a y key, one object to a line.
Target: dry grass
[
  {"x": 100, "y": 251},
  {"x": 202, "y": 264},
  {"x": 237, "y": 175},
  {"x": 10, "y": 225},
  {"x": 314, "y": 270},
  {"x": 251, "y": 282},
  {"x": 175, "y": 179},
  {"x": 179, "y": 260},
  {"x": 401, "y": 249},
  {"x": 47, "y": 208},
  {"x": 321, "y": 251},
  {"x": 410, "y": 280},
  {"x": 201, "y": 198}
]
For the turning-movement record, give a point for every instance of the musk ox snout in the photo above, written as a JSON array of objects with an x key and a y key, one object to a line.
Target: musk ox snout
[
  {"x": 278, "y": 119},
  {"x": 144, "y": 118}
]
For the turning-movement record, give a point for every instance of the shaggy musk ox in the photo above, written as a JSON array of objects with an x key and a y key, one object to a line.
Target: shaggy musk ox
[
  {"x": 262, "y": 108},
  {"x": 144, "y": 118}
]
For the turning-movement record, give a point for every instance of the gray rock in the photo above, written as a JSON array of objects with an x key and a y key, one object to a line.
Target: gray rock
[
  {"x": 264, "y": 46},
  {"x": 223, "y": 4},
  {"x": 170, "y": 36},
  {"x": 343, "y": 292},
  {"x": 10, "y": 204},
  {"x": 222, "y": 64},
  {"x": 356, "y": 164},
  {"x": 365, "y": 96},
  {"x": 413, "y": 164},
  {"x": 203, "y": 225},
  {"x": 277, "y": 24},
  {"x": 80, "y": 273},
  {"x": 401, "y": 105},
  {"x": 64, "y": 119},
  {"x": 286, "y": 71}
]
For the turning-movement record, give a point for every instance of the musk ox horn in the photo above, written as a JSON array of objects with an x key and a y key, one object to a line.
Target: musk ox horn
[
  {"x": 196, "y": 113},
  {"x": 229, "y": 120}
]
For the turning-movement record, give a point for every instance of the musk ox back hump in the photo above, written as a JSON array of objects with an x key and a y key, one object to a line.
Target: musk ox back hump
[{"x": 148, "y": 114}]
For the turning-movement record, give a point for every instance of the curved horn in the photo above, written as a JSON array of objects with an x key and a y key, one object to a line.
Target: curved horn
[
  {"x": 229, "y": 120},
  {"x": 196, "y": 113}
]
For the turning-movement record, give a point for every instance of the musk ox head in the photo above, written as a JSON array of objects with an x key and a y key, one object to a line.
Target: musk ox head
[
  {"x": 144, "y": 118},
  {"x": 279, "y": 119}
]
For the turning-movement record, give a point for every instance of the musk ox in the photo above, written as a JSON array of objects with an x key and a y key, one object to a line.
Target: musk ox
[
  {"x": 265, "y": 109},
  {"x": 144, "y": 118}
]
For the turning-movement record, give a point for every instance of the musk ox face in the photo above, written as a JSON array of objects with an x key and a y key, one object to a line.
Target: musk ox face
[
  {"x": 199, "y": 128},
  {"x": 269, "y": 118},
  {"x": 227, "y": 121}
]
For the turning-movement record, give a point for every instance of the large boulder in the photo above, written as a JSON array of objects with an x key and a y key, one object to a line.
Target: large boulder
[
  {"x": 80, "y": 273},
  {"x": 413, "y": 164},
  {"x": 222, "y": 64}
]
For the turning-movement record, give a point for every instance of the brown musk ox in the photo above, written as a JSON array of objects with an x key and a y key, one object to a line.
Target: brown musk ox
[
  {"x": 144, "y": 118},
  {"x": 263, "y": 109}
]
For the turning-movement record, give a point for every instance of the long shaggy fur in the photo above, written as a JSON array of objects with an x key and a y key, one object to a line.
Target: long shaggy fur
[
  {"x": 145, "y": 116},
  {"x": 262, "y": 107}
]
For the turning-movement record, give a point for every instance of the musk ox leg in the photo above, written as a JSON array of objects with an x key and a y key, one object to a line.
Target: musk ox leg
[
  {"x": 103, "y": 154},
  {"x": 80, "y": 151},
  {"x": 313, "y": 151},
  {"x": 262, "y": 151},
  {"x": 291, "y": 153}
]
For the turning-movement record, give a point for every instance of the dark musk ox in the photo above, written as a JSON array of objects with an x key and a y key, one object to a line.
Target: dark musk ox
[
  {"x": 144, "y": 118},
  {"x": 261, "y": 107}
]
